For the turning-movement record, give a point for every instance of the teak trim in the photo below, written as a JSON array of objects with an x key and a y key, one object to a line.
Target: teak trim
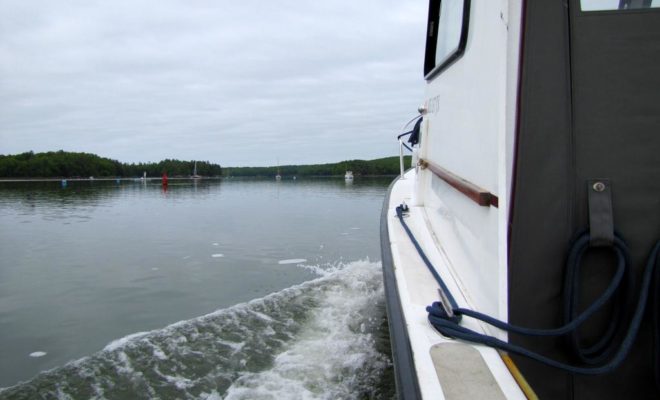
[{"x": 479, "y": 195}]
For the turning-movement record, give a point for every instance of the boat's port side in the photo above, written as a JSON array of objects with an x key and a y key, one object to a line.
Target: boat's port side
[
  {"x": 405, "y": 374},
  {"x": 533, "y": 203},
  {"x": 442, "y": 367}
]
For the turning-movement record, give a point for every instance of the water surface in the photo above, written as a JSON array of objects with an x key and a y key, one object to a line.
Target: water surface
[{"x": 210, "y": 289}]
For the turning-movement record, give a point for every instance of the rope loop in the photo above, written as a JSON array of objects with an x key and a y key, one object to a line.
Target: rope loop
[{"x": 600, "y": 358}]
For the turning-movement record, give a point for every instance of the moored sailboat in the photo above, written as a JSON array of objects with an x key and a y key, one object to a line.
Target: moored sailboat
[{"x": 194, "y": 174}]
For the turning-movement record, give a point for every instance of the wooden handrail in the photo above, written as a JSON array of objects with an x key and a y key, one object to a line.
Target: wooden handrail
[{"x": 477, "y": 194}]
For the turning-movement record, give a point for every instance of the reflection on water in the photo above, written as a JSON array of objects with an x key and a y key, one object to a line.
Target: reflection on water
[
  {"x": 28, "y": 195},
  {"x": 94, "y": 261}
]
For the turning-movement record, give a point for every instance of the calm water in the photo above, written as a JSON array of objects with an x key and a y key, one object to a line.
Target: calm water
[{"x": 235, "y": 289}]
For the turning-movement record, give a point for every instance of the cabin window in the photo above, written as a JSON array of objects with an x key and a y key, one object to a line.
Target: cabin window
[
  {"x": 446, "y": 34},
  {"x": 601, "y": 5}
]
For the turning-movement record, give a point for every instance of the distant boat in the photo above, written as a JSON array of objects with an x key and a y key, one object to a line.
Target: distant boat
[
  {"x": 349, "y": 175},
  {"x": 194, "y": 175}
]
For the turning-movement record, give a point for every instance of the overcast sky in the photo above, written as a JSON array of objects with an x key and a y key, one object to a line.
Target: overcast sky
[{"x": 233, "y": 82}]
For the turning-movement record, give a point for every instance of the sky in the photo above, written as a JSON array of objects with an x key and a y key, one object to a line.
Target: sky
[{"x": 238, "y": 83}]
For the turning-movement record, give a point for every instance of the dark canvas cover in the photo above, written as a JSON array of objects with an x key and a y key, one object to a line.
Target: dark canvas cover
[{"x": 589, "y": 108}]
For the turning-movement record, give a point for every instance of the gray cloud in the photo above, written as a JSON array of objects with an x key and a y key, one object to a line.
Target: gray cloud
[{"x": 247, "y": 84}]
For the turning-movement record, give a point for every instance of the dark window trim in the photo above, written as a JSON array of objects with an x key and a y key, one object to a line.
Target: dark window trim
[{"x": 430, "y": 69}]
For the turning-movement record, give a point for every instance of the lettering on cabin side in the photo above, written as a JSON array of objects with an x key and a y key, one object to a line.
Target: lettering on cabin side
[{"x": 433, "y": 105}]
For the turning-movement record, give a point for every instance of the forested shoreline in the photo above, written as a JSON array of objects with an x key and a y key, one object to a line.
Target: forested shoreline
[
  {"x": 378, "y": 167},
  {"x": 63, "y": 164}
]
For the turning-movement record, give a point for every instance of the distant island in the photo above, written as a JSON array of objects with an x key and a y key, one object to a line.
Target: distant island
[
  {"x": 64, "y": 164},
  {"x": 387, "y": 166}
]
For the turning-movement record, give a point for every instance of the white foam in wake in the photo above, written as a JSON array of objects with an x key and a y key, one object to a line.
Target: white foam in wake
[
  {"x": 217, "y": 255},
  {"x": 115, "y": 344},
  {"x": 315, "y": 340},
  {"x": 333, "y": 353}
]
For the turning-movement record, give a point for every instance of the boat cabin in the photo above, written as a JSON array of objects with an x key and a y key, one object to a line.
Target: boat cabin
[{"x": 533, "y": 200}]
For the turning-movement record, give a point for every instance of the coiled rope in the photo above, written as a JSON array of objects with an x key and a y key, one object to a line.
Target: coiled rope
[{"x": 604, "y": 356}]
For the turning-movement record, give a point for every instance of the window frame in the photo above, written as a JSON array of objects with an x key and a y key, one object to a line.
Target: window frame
[
  {"x": 616, "y": 10},
  {"x": 431, "y": 70}
]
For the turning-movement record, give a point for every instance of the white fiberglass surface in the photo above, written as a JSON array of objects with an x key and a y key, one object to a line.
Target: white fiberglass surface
[
  {"x": 417, "y": 288},
  {"x": 466, "y": 126}
]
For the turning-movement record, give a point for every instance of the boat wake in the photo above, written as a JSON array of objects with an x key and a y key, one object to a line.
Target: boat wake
[{"x": 323, "y": 339}]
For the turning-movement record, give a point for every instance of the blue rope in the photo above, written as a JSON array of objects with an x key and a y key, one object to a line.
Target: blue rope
[
  {"x": 449, "y": 325},
  {"x": 452, "y": 302}
]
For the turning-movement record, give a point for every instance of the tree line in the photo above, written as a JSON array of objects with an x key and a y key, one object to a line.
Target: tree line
[
  {"x": 64, "y": 164},
  {"x": 378, "y": 167}
]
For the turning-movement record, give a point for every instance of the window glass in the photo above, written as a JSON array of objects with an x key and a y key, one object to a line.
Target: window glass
[
  {"x": 450, "y": 23},
  {"x": 600, "y": 5},
  {"x": 447, "y": 33}
]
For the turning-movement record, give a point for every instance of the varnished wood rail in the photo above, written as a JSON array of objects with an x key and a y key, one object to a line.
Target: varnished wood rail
[{"x": 477, "y": 194}]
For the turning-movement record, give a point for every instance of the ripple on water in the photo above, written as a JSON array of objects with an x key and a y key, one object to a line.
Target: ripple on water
[{"x": 292, "y": 261}]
